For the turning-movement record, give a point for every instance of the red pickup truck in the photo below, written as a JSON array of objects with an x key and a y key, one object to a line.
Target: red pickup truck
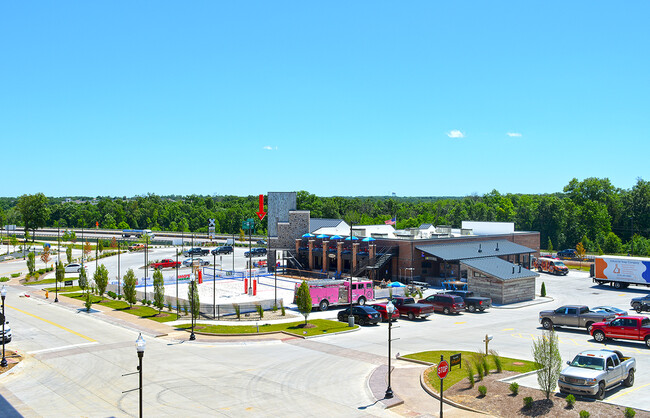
[
  {"x": 623, "y": 328},
  {"x": 167, "y": 262},
  {"x": 408, "y": 307}
]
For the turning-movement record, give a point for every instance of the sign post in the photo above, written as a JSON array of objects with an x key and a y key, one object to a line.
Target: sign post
[
  {"x": 443, "y": 369},
  {"x": 211, "y": 230}
]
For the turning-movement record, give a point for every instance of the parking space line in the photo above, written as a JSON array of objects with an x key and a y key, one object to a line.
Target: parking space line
[
  {"x": 627, "y": 391},
  {"x": 52, "y": 323},
  {"x": 65, "y": 347},
  {"x": 508, "y": 329},
  {"x": 458, "y": 323}
]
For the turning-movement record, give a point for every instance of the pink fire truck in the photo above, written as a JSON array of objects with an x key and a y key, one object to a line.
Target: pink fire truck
[{"x": 334, "y": 292}]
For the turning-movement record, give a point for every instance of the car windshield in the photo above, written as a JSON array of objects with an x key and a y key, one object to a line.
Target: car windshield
[
  {"x": 588, "y": 362},
  {"x": 559, "y": 263}
]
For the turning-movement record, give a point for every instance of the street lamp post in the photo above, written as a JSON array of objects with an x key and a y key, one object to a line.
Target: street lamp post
[
  {"x": 390, "y": 308},
  {"x": 139, "y": 346},
  {"x": 214, "y": 285},
  {"x": 192, "y": 284},
  {"x": 119, "y": 250},
  {"x": 58, "y": 260},
  {"x": 351, "y": 258},
  {"x": 3, "y": 293},
  {"x": 146, "y": 270}
]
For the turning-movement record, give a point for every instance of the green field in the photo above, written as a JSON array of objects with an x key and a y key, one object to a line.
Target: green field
[
  {"x": 323, "y": 326},
  {"x": 456, "y": 373},
  {"x": 119, "y": 305}
]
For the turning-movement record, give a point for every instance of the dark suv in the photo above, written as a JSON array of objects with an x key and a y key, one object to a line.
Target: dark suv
[
  {"x": 256, "y": 252},
  {"x": 226, "y": 249},
  {"x": 445, "y": 303},
  {"x": 570, "y": 253}
]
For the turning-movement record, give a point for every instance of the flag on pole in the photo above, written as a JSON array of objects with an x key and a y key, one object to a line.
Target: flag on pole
[{"x": 391, "y": 221}]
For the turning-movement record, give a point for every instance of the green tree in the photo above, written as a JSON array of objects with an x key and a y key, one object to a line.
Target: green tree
[
  {"x": 87, "y": 248},
  {"x": 123, "y": 225},
  {"x": 59, "y": 273},
  {"x": 68, "y": 253},
  {"x": 33, "y": 211},
  {"x": 69, "y": 236},
  {"x": 128, "y": 287},
  {"x": 88, "y": 303},
  {"x": 100, "y": 246},
  {"x": 303, "y": 300},
  {"x": 83, "y": 278},
  {"x": 580, "y": 251},
  {"x": 31, "y": 263},
  {"x": 547, "y": 355},
  {"x": 612, "y": 244},
  {"x": 109, "y": 221},
  {"x": 101, "y": 279},
  {"x": 549, "y": 244},
  {"x": 193, "y": 297},
  {"x": 158, "y": 290},
  {"x": 13, "y": 241}
]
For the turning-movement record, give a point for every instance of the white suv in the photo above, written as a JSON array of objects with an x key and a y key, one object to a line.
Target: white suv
[{"x": 7, "y": 334}]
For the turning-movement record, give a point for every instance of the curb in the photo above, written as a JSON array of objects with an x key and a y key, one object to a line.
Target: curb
[
  {"x": 426, "y": 363},
  {"x": 548, "y": 299},
  {"x": 446, "y": 400},
  {"x": 515, "y": 377},
  {"x": 212, "y": 334}
]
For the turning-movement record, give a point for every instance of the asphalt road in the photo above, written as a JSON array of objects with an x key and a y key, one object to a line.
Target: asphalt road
[{"x": 80, "y": 370}]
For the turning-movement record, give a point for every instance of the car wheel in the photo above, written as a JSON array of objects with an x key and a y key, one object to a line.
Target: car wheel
[
  {"x": 588, "y": 325},
  {"x": 600, "y": 395},
  {"x": 323, "y": 305},
  {"x": 481, "y": 309},
  {"x": 547, "y": 323},
  {"x": 638, "y": 309},
  {"x": 599, "y": 336},
  {"x": 362, "y": 300},
  {"x": 411, "y": 316},
  {"x": 647, "y": 342},
  {"x": 445, "y": 311},
  {"x": 471, "y": 308},
  {"x": 629, "y": 380},
  {"x": 600, "y": 282},
  {"x": 617, "y": 285},
  {"x": 362, "y": 321}
]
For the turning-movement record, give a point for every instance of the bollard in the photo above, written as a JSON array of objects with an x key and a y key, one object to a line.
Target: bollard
[
  {"x": 351, "y": 320},
  {"x": 47, "y": 295}
]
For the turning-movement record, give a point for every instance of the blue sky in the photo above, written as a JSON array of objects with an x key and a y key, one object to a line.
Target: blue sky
[{"x": 337, "y": 98}]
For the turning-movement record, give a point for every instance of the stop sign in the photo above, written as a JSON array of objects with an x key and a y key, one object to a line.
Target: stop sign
[{"x": 443, "y": 369}]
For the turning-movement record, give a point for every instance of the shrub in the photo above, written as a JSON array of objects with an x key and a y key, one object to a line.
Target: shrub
[
  {"x": 88, "y": 303},
  {"x": 237, "y": 311},
  {"x": 484, "y": 365},
  {"x": 570, "y": 401},
  {"x": 282, "y": 309},
  {"x": 629, "y": 413},
  {"x": 14, "y": 275},
  {"x": 528, "y": 402},
  {"x": 274, "y": 308},
  {"x": 482, "y": 390},
  {"x": 112, "y": 294},
  {"x": 169, "y": 307},
  {"x": 584, "y": 414},
  {"x": 4, "y": 279},
  {"x": 40, "y": 271},
  {"x": 543, "y": 291},
  {"x": 514, "y": 388},
  {"x": 470, "y": 373},
  {"x": 497, "y": 360},
  {"x": 260, "y": 311}
]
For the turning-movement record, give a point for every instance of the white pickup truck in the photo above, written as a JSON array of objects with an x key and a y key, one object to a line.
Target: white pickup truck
[{"x": 593, "y": 372}]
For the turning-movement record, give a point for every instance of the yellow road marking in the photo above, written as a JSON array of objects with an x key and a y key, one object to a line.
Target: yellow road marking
[
  {"x": 508, "y": 329},
  {"x": 52, "y": 323},
  {"x": 622, "y": 294},
  {"x": 458, "y": 323},
  {"x": 627, "y": 391}
]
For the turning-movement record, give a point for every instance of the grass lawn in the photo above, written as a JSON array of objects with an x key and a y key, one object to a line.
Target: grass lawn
[
  {"x": 64, "y": 289},
  {"x": 456, "y": 373},
  {"x": 120, "y": 305},
  {"x": 44, "y": 281},
  {"x": 323, "y": 326}
]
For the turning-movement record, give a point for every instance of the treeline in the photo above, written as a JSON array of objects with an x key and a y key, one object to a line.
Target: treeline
[{"x": 593, "y": 211}]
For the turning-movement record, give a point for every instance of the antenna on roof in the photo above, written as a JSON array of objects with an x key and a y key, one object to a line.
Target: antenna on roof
[
  {"x": 497, "y": 249},
  {"x": 519, "y": 269},
  {"x": 479, "y": 248},
  {"x": 513, "y": 269}
]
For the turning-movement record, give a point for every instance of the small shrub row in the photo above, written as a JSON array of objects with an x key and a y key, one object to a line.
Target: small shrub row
[
  {"x": 4, "y": 279},
  {"x": 14, "y": 275}
]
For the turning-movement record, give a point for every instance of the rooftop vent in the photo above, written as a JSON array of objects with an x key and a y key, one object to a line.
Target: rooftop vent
[
  {"x": 497, "y": 249},
  {"x": 479, "y": 248}
]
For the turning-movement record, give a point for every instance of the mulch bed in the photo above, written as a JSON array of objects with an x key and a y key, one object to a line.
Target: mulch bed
[
  {"x": 12, "y": 359},
  {"x": 500, "y": 402}
]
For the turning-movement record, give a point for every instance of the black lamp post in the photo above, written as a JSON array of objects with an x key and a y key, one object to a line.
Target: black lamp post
[
  {"x": 390, "y": 308},
  {"x": 58, "y": 260},
  {"x": 214, "y": 284},
  {"x": 192, "y": 284},
  {"x": 3, "y": 293},
  {"x": 119, "y": 275},
  {"x": 351, "y": 258},
  {"x": 139, "y": 346}
]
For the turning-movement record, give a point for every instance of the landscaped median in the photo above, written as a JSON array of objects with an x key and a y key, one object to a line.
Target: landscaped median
[
  {"x": 119, "y": 305},
  {"x": 320, "y": 327}
]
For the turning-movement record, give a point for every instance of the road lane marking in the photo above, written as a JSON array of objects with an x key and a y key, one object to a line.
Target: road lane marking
[
  {"x": 65, "y": 347},
  {"x": 459, "y": 323},
  {"x": 53, "y": 323},
  {"x": 627, "y": 391},
  {"x": 507, "y": 329}
]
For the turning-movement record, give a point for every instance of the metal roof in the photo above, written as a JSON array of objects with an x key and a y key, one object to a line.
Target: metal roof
[
  {"x": 318, "y": 223},
  {"x": 477, "y": 249},
  {"x": 501, "y": 269},
  {"x": 425, "y": 226}
]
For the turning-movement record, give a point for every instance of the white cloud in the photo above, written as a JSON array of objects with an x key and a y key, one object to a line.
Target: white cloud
[
  {"x": 514, "y": 134},
  {"x": 268, "y": 148},
  {"x": 455, "y": 134}
]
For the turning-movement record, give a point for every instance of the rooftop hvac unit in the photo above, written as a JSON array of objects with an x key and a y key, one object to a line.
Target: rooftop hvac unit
[{"x": 466, "y": 231}]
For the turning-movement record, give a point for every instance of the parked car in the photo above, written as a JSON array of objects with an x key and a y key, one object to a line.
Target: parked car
[
  {"x": 381, "y": 308},
  {"x": 641, "y": 304},
  {"x": 445, "y": 303},
  {"x": 472, "y": 303},
  {"x": 568, "y": 253},
  {"x": 197, "y": 261},
  {"x": 136, "y": 247},
  {"x": 164, "y": 263},
  {"x": 552, "y": 266},
  {"x": 224, "y": 249},
  {"x": 363, "y": 315},
  {"x": 593, "y": 372},
  {"x": 572, "y": 316},
  {"x": 408, "y": 307},
  {"x": 610, "y": 309},
  {"x": 6, "y": 337},
  {"x": 256, "y": 252},
  {"x": 623, "y": 328},
  {"x": 195, "y": 251},
  {"x": 73, "y": 268},
  {"x": 261, "y": 242}
]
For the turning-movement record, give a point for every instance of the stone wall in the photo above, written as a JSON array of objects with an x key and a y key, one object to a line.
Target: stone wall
[{"x": 279, "y": 205}]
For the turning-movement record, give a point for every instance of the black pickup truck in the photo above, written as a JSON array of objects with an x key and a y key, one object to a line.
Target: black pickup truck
[
  {"x": 195, "y": 251},
  {"x": 472, "y": 303}
]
